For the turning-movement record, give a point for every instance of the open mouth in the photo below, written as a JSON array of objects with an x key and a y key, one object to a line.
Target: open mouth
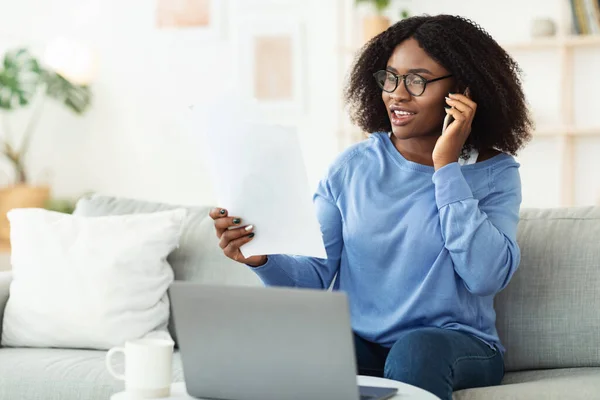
[{"x": 401, "y": 117}]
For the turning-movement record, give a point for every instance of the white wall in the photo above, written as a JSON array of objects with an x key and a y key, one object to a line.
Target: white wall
[
  {"x": 132, "y": 142},
  {"x": 510, "y": 21}
]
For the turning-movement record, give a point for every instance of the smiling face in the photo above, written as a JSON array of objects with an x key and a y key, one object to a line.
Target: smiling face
[{"x": 417, "y": 116}]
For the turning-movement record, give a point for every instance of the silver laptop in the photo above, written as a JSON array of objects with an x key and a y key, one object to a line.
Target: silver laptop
[{"x": 256, "y": 343}]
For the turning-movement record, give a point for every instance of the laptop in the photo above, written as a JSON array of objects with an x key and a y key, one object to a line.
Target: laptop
[{"x": 257, "y": 343}]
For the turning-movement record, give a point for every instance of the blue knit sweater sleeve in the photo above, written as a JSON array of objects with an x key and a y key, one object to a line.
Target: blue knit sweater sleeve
[{"x": 480, "y": 235}]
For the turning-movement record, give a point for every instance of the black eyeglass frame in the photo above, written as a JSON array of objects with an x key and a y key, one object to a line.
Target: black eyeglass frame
[{"x": 397, "y": 76}]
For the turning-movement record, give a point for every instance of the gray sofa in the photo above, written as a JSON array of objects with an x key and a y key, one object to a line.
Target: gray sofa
[{"x": 548, "y": 316}]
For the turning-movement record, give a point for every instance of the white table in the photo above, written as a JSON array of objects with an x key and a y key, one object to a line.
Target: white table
[{"x": 405, "y": 392}]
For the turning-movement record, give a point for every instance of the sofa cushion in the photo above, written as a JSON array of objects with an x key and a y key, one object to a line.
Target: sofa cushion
[
  {"x": 77, "y": 279},
  {"x": 5, "y": 280},
  {"x": 572, "y": 384},
  {"x": 198, "y": 257},
  {"x": 549, "y": 315},
  {"x": 55, "y": 374}
]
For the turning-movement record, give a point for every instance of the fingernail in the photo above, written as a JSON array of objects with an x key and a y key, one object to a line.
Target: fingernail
[
  {"x": 249, "y": 228},
  {"x": 251, "y": 235},
  {"x": 447, "y": 107},
  {"x": 236, "y": 221},
  {"x": 450, "y": 94},
  {"x": 222, "y": 212},
  {"x": 448, "y": 98}
]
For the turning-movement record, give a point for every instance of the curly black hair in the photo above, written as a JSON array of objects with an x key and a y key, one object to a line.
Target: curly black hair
[{"x": 475, "y": 59}]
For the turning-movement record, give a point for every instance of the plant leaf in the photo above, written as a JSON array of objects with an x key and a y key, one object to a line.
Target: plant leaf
[
  {"x": 75, "y": 97},
  {"x": 19, "y": 78},
  {"x": 381, "y": 5}
]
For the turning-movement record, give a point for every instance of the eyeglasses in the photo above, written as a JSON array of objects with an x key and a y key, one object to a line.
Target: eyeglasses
[{"x": 415, "y": 84}]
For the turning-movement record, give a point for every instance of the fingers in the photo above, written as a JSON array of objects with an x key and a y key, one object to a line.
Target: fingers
[
  {"x": 465, "y": 98},
  {"x": 227, "y": 222},
  {"x": 458, "y": 116},
  {"x": 232, "y": 239},
  {"x": 460, "y": 111},
  {"x": 461, "y": 98},
  {"x": 216, "y": 213},
  {"x": 232, "y": 249},
  {"x": 222, "y": 221},
  {"x": 461, "y": 107},
  {"x": 231, "y": 235},
  {"x": 460, "y": 126}
]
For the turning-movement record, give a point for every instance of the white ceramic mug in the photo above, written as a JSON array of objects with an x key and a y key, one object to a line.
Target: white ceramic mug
[{"x": 148, "y": 371}]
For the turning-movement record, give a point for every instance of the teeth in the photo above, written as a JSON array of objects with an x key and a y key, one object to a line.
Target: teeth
[{"x": 403, "y": 112}]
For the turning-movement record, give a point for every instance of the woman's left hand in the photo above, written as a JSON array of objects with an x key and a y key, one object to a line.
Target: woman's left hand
[{"x": 449, "y": 146}]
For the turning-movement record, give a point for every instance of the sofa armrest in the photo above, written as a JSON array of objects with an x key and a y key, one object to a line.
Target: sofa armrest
[{"x": 5, "y": 279}]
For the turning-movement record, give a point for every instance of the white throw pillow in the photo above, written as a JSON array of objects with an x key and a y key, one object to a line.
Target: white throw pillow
[{"x": 89, "y": 282}]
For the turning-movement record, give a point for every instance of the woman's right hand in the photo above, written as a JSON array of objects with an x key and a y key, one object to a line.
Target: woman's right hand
[{"x": 232, "y": 239}]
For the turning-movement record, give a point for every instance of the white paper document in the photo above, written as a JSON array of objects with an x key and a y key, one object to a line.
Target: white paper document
[{"x": 258, "y": 174}]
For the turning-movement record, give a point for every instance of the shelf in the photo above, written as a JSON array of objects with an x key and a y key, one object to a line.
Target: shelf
[
  {"x": 572, "y": 41},
  {"x": 567, "y": 131},
  {"x": 554, "y": 43}
]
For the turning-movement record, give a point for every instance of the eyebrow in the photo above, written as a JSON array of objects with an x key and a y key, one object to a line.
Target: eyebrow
[{"x": 412, "y": 70}]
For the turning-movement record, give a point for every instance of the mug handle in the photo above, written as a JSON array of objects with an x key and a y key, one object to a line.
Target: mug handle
[{"x": 109, "y": 366}]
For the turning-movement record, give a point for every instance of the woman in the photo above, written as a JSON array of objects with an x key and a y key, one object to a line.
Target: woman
[{"x": 419, "y": 227}]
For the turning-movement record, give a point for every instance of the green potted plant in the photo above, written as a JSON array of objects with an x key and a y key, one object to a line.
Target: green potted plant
[
  {"x": 22, "y": 79},
  {"x": 377, "y": 22}
]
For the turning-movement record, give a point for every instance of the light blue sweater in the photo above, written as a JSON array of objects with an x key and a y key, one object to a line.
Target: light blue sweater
[{"x": 412, "y": 247}]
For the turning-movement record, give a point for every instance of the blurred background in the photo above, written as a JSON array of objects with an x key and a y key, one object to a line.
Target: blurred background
[{"x": 93, "y": 92}]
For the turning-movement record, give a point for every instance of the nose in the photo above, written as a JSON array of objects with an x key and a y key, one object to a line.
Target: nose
[{"x": 400, "y": 94}]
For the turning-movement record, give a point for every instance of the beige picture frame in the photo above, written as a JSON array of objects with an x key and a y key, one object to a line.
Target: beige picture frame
[
  {"x": 203, "y": 18},
  {"x": 271, "y": 64}
]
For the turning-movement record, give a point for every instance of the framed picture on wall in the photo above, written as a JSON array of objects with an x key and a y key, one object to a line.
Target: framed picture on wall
[
  {"x": 203, "y": 17},
  {"x": 271, "y": 67}
]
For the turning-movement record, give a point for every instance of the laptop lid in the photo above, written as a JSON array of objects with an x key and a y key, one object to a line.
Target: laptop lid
[{"x": 257, "y": 343}]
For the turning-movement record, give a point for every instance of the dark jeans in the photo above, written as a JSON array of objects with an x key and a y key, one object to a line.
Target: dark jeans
[{"x": 438, "y": 360}]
